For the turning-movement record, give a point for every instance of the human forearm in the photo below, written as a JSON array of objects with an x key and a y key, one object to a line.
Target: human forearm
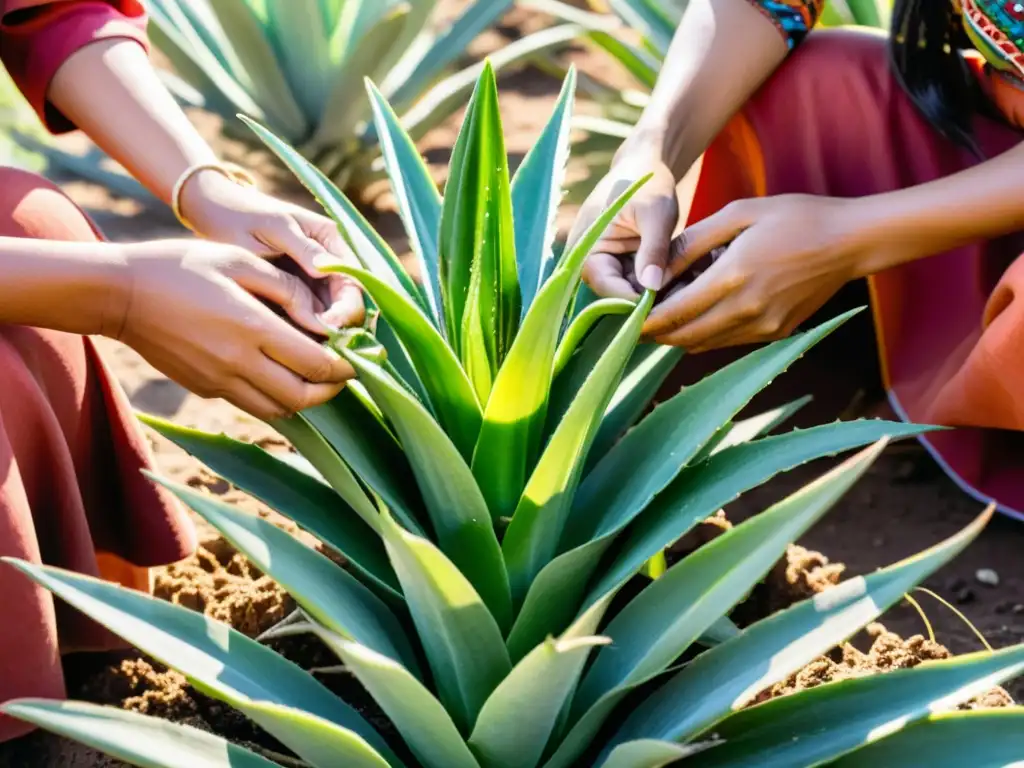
[
  {"x": 110, "y": 91},
  {"x": 64, "y": 286},
  {"x": 722, "y": 52},
  {"x": 980, "y": 203}
]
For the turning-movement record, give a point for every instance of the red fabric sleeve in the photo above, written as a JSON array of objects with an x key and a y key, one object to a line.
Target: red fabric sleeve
[{"x": 37, "y": 36}]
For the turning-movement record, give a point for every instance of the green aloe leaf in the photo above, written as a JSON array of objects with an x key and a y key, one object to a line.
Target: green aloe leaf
[
  {"x": 197, "y": 64},
  {"x": 658, "y": 625},
  {"x": 457, "y": 509},
  {"x": 451, "y": 393},
  {"x": 419, "y": 202},
  {"x": 640, "y": 64},
  {"x": 144, "y": 741},
  {"x": 448, "y": 47},
  {"x": 537, "y": 193},
  {"x": 460, "y": 636},
  {"x": 371, "y": 55},
  {"x": 700, "y": 490},
  {"x": 543, "y": 681},
  {"x": 554, "y": 597},
  {"x": 299, "y": 34},
  {"x": 259, "y": 62},
  {"x": 578, "y": 367},
  {"x": 448, "y": 96},
  {"x": 315, "y": 449},
  {"x": 871, "y": 13},
  {"x": 479, "y": 278},
  {"x": 728, "y": 677},
  {"x": 516, "y": 410},
  {"x": 372, "y": 452},
  {"x": 697, "y": 592},
  {"x": 582, "y": 325},
  {"x": 198, "y": 17},
  {"x": 647, "y": 371},
  {"x": 370, "y": 248},
  {"x": 293, "y": 493},
  {"x": 628, "y": 478},
  {"x": 649, "y": 17},
  {"x": 787, "y": 731},
  {"x": 746, "y": 430},
  {"x": 322, "y": 589},
  {"x": 398, "y": 358},
  {"x": 559, "y": 589},
  {"x": 648, "y": 753},
  {"x": 416, "y": 713},
  {"x": 281, "y": 698},
  {"x": 995, "y": 736},
  {"x": 531, "y": 539}
]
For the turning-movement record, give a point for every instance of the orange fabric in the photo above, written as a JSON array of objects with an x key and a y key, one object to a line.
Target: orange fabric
[
  {"x": 71, "y": 490},
  {"x": 38, "y": 36},
  {"x": 986, "y": 386},
  {"x": 833, "y": 121},
  {"x": 732, "y": 169}
]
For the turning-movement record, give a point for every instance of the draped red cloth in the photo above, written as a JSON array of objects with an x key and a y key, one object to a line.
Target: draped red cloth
[
  {"x": 950, "y": 328},
  {"x": 37, "y": 36},
  {"x": 71, "y": 453}
]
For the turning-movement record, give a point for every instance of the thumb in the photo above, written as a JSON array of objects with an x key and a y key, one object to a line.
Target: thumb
[
  {"x": 656, "y": 222},
  {"x": 716, "y": 231}
]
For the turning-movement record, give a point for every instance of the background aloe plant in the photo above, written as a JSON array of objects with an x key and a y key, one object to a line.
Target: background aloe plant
[
  {"x": 493, "y": 485},
  {"x": 298, "y": 66}
]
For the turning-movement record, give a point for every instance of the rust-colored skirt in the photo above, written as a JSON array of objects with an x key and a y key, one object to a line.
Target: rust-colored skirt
[
  {"x": 71, "y": 491},
  {"x": 949, "y": 328}
]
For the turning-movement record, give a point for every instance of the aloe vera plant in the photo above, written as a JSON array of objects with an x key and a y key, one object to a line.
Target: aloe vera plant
[
  {"x": 492, "y": 483},
  {"x": 298, "y": 66}
]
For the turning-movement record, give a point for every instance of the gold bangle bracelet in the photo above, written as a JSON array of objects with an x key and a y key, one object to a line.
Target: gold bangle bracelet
[{"x": 230, "y": 171}]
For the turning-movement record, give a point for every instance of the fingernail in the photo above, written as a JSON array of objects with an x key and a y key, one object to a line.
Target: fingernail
[
  {"x": 326, "y": 260},
  {"x": 330, "y": 320},
  {"x": 652, "y": 277}
]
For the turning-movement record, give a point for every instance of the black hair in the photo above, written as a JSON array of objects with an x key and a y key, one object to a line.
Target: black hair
[{"x": 927, "y": 37}]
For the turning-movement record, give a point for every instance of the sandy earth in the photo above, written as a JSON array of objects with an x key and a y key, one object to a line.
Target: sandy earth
[{"x": 903, "y": 505}]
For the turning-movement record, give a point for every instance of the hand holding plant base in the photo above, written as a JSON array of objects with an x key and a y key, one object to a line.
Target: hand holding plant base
[
  {"x": 193, "y": 310},
  {"x": 783, "y": 258},
  {"x": 226, "y": 212},
  {"x": 638, "y": 246},
  {"x": 492, "y": 486}
]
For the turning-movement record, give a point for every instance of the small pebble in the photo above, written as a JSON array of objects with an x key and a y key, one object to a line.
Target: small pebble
[
  {"x": 988, "y": 577},
  {"x": 964, "y": 596},
  {"x": 1018, "y": 609}
]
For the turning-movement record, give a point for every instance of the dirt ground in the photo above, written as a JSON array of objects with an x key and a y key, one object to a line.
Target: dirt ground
[{"x": 903, "y": 505}]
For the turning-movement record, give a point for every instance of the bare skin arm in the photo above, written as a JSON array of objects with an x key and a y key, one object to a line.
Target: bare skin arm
[
  {"x": 784, "y": 256},
  {"x": 156, "y": 296},
  {"x": 138, "y": 123},
  {"x": 788, "y": 255},
  {"x": 702, "y": 85},
  {"x": 188, "y": 307}
]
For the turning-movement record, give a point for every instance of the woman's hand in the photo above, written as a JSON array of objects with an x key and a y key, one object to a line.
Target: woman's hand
[
  {"x": 785, "y": 257},
  {"x": 645, "y": 227},
  {"x": 226, "y": 212},
  {"x": 193, "y": 310}
]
